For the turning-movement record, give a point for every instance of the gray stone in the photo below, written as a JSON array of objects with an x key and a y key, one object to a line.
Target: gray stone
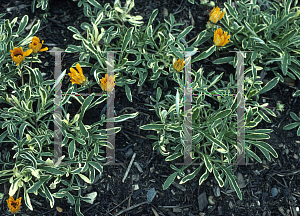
[
  {"x": 240, "y": 180},
  {"x": 274, "y": 192},
  {"x": 202, "y": 201},
  {"x": 217, "y": 191}
]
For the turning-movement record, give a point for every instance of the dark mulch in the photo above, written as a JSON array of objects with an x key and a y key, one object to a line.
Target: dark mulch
[{"x": 257, "y": 181}]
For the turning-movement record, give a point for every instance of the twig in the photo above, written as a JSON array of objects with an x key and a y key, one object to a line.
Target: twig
[
  {"x": 129, "y": 167},
  {"x": 132, "y": 207},
  {"x": 91, "y": 207}
]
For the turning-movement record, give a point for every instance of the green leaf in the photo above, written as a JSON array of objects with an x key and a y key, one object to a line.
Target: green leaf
[
  {"x": 22, "y": 24},
  {"x": 32, "y": 32},
  {"x": 128, "y": 93},
  {"x": 184, "y": 33},
  {"x": 232, "y": 181},
  {"x": 152, "y": 17},
  {"x": 77, "y": 208},
  {"x": 215, "y": 141},
  {"x": 173, "y": 156},
  {"x": 72, "y": 148},
  {"x": 191, "y": 176},
  {"x": 97, "y": 166},
  {"x": 207, "y": 162},
  {"x": 51, "y": 170},
  {"x": 152, "y": 126},
  {"x": 71, "y": 198},
  {"x": 38, "y": 184},
  {"x": 253, "y": 155},
  {"x": 170, "y": 180},
  {"x": 204, "y": 54},
  {"x": 291, "y": 126},
  {"x": 94, "y": 3},
  {"x": 203, "y": 177},
  {"x": 297, "y": 93},
  {"x": 218, "y": 177},
  {"x": 27, "y": 198},
  {"x": 83, "y": 130},
  {"x": 223, "y": 60},
  {"x": 294, "y": 116},
  {"x": 285, "y": 58},
  {"x": 288, "y": 37},
  {"x": 268, "y": 86},
  {"x": 220, "y": 115},
  {"x": 84, "y": 178},
  {"x": 49, "y": 196},
  {"x": 158, "y": 94},
  {"x": 127, "y": 38},
  {"x": 265, "y": 146},
  {"x": 85, "y": 106},
  {"x": 14, "y": 186},
  {"x": 264, "y": 116}
]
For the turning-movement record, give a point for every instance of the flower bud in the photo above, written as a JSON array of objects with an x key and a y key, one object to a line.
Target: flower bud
[{"x": 212, "y": 4}]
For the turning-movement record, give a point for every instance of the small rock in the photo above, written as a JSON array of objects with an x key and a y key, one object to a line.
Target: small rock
[
  {"x": 240, "y": 180},
  {"x": 202, "y": 201},
  {"x": 165, "y": 12},
  {"x": 274, "y": 192},
  {"x": 296, "y": 157},
  {"x": 258, "y": 203},
  {"x": 129, "y": 153},
  {"x": 281, "y": 210},
  {"x": 220, "y": 210},
  {"x": 217, "y": 191}
]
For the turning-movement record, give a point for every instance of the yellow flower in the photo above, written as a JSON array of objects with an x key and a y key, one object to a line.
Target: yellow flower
[
  {"x": 215, "y": 15},
  {"x": 14, "y": 205},
  {"x": 77, "y": 78},
  {"x": 111, "y": 82},
  {"x": 221, "y": 39},
  {"x": 18, "y": 56},
  {"x": 36, "y": 45},
  {"x": 178, "y": 65}
]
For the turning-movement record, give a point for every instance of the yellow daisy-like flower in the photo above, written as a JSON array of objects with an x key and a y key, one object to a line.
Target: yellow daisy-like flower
[
  {"x": 36, "y": 45},
  {"x": 109, "y": 80},
  {"x": 77, "y": 78},
  {"x": 178, "y": 65},
  {"x": 14, "y": 205},
  {"x": 221, "y": 39},
  {"x": 215, "y": 15},
  {"x": 18, "y": 56}
]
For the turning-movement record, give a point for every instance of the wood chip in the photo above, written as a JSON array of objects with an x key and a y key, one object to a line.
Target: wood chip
[{"x": 179, "y": 186}]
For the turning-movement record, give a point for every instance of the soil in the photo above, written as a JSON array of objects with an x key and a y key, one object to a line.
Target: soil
[{"x": 257, "y": 181}]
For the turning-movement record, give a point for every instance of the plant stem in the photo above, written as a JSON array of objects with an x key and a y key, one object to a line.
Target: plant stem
[
  {"x": 22, "y": 76},
  {"x": 89, "y": 89},
  {"x": 18, "y": 193}
]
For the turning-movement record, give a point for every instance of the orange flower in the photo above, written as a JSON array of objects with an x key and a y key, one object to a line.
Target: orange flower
[
  {"x": 18, "y": 56},
  {"x": 36, "y": 45},
  {"x": 215, "y": 15},
  {"x": 14, "y": 205},
  {"x": 178, "y": 65},
  {"x": 104, "y": 82},
  {"x": 221, "y": 39},
  {"x": 77, "y": 78}
]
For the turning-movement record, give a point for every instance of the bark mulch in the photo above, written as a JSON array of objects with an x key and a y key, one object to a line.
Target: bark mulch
[{"x": 270, "y": 188}]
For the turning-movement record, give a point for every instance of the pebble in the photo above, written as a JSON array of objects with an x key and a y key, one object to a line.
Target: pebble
[
  {"x": 202, "y": 201},
  {"x": 217, "y": 191},
  {"x": 274, "y": 192},
  {"x": 129, "y": 153}
]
